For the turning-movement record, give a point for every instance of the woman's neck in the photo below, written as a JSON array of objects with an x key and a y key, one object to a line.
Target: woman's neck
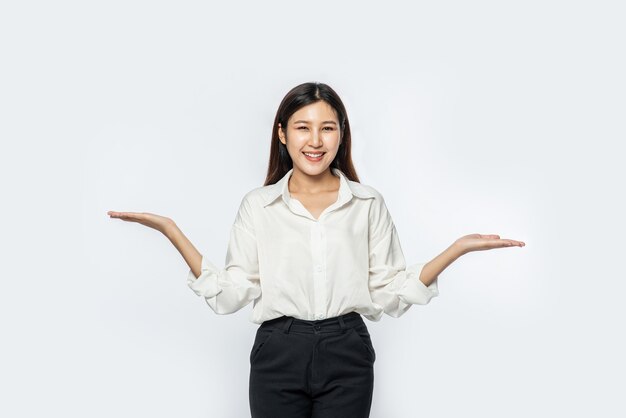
[{"x": 300, "y": 182}]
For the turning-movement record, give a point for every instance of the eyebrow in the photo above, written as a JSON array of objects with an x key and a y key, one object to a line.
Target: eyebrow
[{"x": 326, "y": 121}]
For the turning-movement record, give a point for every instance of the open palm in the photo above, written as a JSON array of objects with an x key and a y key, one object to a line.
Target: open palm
[
  {"x": 152, "y": 220},
  {"x": 479, "y": 242}
]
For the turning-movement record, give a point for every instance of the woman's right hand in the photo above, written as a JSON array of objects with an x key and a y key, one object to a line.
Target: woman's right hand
[
  {"x": 192, "y": 256},
  {"x": 160, "y": 223}
]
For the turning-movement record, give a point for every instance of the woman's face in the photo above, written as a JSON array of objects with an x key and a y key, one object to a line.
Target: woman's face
[{"x": 312, "y": 129}]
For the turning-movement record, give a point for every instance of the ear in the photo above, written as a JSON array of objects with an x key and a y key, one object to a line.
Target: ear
[{"x": 281, "y": 134}]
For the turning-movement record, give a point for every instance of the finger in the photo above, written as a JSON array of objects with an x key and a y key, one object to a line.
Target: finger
[
  {"x": 127, "y": 216},
  {"x": 491, "y": 236},
  {"x": 114, "y": 214}
]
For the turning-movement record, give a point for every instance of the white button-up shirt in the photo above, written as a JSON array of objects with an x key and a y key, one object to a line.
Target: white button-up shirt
[{"x": 288, "y": 263}]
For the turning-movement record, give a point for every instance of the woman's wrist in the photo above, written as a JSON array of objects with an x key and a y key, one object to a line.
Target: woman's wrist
[{"x": 457, "y": 250}]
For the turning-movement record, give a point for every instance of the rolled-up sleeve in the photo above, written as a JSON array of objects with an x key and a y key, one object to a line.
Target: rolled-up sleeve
[
  {"x": 228, "y": 289},
  {"x": 392, "y": 285}
]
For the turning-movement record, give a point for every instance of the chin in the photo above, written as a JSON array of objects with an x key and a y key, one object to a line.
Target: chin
[{"x": 312, "y": 171}]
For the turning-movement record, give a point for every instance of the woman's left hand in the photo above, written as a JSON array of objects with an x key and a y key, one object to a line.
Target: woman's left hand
[{"x": 478, "y": 242}]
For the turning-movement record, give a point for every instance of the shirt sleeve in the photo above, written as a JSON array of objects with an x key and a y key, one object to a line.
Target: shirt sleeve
[
  {"x": 228, "y": 289},
  {"x": 392, "y": 285}
]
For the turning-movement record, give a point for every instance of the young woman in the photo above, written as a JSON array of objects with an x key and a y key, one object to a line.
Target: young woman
[{"x": 314, "y": 250}]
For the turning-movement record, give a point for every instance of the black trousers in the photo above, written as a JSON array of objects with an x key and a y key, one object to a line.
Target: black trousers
[{"x": 312, "y": 369}]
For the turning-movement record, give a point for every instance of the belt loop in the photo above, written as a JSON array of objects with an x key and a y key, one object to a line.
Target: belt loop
[
  {"x": 287, "y": 325},
  {"x": 342, "y": 324}
]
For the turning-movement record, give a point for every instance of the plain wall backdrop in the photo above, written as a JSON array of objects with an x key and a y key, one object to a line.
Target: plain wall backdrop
[{"x": 469, "y": 117}]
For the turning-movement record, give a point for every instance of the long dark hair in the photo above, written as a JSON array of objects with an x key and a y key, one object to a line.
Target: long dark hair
[{"x": 304, "y": 94}]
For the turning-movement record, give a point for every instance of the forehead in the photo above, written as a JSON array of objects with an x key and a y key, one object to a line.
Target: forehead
[{"x": 315, "y": 112}]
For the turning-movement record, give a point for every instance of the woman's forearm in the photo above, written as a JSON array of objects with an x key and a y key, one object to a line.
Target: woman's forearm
[
  {"x": 434, "y": 267},
  {"x": 192, "y": 257}
]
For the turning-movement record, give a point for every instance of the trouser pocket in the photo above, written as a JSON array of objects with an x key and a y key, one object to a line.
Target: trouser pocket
[
  {"x": 263, "y": 335},
  {"x": 363, "y": 335}
]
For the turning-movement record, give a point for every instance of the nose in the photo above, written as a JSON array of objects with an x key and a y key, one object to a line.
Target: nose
[{"x": 315, "y": 138}]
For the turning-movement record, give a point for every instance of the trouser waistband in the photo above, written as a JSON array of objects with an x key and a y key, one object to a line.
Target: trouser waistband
[{"x": 338, "y": 323}]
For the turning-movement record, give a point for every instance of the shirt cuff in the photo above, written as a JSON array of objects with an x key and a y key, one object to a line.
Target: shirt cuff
[
  {"x": 206, "y": 285},
  {"x": 412, "y": 291}
]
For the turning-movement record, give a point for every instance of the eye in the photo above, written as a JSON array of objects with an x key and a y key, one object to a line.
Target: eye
[
  {"x": 302, "y": 127},
  {"x": 330, "y": 128}
]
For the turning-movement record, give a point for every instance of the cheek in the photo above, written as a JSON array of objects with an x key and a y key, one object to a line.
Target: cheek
[
  {"x": 333, "y": 142},
  {"x": 297, "y": 140},
  {"x": 299, "y": 136}
]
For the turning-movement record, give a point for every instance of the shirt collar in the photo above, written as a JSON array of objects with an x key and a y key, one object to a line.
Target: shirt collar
[{"x": 347, "y": 188}]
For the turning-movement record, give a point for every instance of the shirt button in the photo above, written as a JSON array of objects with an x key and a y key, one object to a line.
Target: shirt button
[{"x": 318, "y": 268}]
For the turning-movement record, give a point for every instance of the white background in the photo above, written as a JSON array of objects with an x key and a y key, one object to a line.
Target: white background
[{"x": 469, "y": 117}]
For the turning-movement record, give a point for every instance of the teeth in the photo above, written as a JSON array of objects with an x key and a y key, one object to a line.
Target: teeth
[{"x": 313, "y": 155}]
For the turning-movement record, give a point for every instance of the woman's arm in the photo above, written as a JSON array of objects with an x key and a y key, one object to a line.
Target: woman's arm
[
  {"x": 168, "y": 228},
  {"x": 434, "y": 267},
  {"x": 463, "y": 245},
  {"x": 228, "y": 289},
  {"x": 192, "y": 256}
]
